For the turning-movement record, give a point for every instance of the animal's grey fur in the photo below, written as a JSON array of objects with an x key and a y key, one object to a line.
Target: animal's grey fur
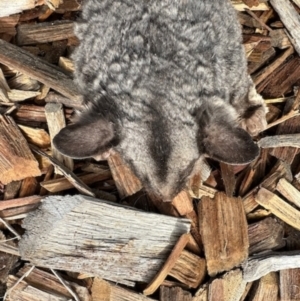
[{"x": 166, "y": 82}]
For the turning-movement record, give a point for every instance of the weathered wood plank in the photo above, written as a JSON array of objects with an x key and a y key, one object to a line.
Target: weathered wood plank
[{"x": 112, "y": 241}]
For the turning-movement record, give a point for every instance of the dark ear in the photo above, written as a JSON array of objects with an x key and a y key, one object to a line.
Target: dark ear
[
  {"x": 85, "y": 140},
  {"x": 228, "y": 144}
]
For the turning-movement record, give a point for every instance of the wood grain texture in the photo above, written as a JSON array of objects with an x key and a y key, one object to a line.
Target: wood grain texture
[
  {"x": 82, "y": 234},
  {"x": 223, "y": 228}
]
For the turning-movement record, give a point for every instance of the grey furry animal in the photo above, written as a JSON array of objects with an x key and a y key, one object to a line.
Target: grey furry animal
[{"x": 165, "y": 83}]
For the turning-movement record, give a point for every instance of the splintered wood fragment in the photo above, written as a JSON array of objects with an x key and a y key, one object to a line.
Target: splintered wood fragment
[
  {"x": 66, "y": 64},
  {"x": 40, "y": 285},
  {"x": 223, "y": 218},
  {"x": 259, "y": 265},
  {"x": 19, "y": 202},
  {"x": 228, "y": 178},
  {"x": 38, "y": 137},
  {"x": 28, "y": 187},
  {"x": 80, "y": 223},
  {"x": 70, "y": 176},
  {"x": 265, "y": 56},
  {"x": 189, "y": 269},
  {"x": 266, "y": 234},
  {"x": 288, "y": 140},
  {"x": 127, "y": 183},
  {"x": 266, "y": 289},
  {"x": 289, "y": 284},
  {"x": 106, "y": 291},
  {"x": 57, "y": 98},
  {"x": 174, "y": 294},
  {"x": 289, "y": 191},
  {"x": 283, "y": 79},
  {"x": 44, "y": 32},
  {"x": 228, "y": 288},
  {"x": 264, "y": 73},
  {"x": 20, "y": 95},
  {"x": 297, "y": 2},
  {"x": 241, "y": 6},
  {"x": 168, "y": 265},
  {"x": 183, "y": 203},
  {"x": 37, "y": 68},
  {"x": 27, "y": 113},
  {"x": 279, "y": 207},
  {"x": 61, "y": 184},
  {"x": 56, "y": 121},
  {"x": 7, "y": 9},
  {"x": 16, "y": 160},
  {"x": 290, "y": 18}
]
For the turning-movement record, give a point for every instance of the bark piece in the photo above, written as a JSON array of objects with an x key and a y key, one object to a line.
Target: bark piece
[
  {"x": 16, "y": 159},
  {"x": 260, "y": 265},
  {"x": 289, "y": 284},
  {"x": 94, "y": 230},
  {"x": 266, "y": 289},
  {"x": 279, "y": 207},
  {"x": 25, "y": 62},
  {"x": 127, "y": 183},
  {"x": 174, "y": 294},
  {"x": 189, "y": 269},
  {"x": 265, "y": 235},
  {"x": 228, "y": 288},
  {"x": 105, "y": 291},
  {"x": 56, "y": 121},
  {"x": 44, "y": 32},
  {"x": 11, "y": 190},
  {"x": 223, "y": 219},
  {"x": 290, "y": 19}
]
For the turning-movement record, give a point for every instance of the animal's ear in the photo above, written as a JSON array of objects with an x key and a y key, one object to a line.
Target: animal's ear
[
  {"x": 86, "y": 140},
  {"x": 229, "y": 144}
]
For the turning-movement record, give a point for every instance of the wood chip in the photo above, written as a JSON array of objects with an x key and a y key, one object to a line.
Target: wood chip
[
  {"x": 31, "y": 34},
  {"x": 230, "y": 287},
  {"x": 17, "y": 58},
  {"x": 267, "y": 234},
  {"x": 290, "y": 19},
  {"x": 189, "y": 269},
  {"x": 279, "y": 207},
  {"x": 223, "y": 218},
  {"x": 16, "y": 160}
]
